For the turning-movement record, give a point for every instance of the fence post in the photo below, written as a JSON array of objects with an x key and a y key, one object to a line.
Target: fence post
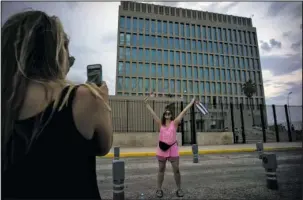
[
  {"x": 276, "y": 124},
  {"x": 193, "y": 125},
  {"x": 127, "y": 112},
  {"x": 232, "y": 120},
  {"x": 154, "y": 120},
  {"x": 288, "y": 124},
  {"x": 242, "y": 124},
  {"x": 182, "y": 124},
  {"x": 118, "y": 172},
  {"x": 263, "y": 123},
  {"x": 222, "y": 110}
]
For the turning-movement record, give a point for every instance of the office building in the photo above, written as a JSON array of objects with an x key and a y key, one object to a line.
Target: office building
[{"x": 181, "y": 52}]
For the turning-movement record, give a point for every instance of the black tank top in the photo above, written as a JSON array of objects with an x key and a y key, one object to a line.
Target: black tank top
[{"x": 60, "y": 164}]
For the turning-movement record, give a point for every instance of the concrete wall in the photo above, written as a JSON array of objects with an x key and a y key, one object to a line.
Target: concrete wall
[
  {"x": 136, "y": 139},
  {"x": 139, "y": 139},
  {"x": 214, "y": 138}
]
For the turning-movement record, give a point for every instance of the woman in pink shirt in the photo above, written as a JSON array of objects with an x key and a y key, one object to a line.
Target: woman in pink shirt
[{"x": 167, "y": 148}]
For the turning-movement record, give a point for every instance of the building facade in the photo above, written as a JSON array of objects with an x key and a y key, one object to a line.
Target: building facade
[
  {"x": 187, "y": 53},
  {"x": 183, "y": 52}
]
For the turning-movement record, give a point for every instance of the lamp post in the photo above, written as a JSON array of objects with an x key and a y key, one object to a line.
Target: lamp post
[{"x": 288, "y": 106}]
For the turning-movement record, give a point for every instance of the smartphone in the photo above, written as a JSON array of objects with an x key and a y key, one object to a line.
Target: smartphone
[{"x": 94, "y": 74}]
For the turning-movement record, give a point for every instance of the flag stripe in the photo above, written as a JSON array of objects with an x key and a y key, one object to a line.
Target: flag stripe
[{"x": 201, "y": 108}]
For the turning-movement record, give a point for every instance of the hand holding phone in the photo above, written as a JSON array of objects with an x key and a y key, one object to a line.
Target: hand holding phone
[{"x": 94, "y": 74}]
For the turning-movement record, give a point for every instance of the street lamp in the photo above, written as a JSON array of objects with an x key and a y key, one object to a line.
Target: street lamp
[{"x": 288, "y": 106}]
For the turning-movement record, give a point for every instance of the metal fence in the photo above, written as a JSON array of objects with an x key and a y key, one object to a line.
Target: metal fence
[{"x": 267, "y": 123}]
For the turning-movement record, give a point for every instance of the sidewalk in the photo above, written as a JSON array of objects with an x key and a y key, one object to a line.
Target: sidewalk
[{"x": 186, "y": 150}]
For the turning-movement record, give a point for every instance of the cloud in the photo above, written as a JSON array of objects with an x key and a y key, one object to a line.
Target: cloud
[
  {"x": 297, "y": 46},
  {"x": 293, "y": 9},
  {"x": 270, "y": 45},
  {"x": 278, "y": 65}
]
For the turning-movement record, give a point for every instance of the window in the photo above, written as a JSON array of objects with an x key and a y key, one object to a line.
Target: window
[
  {"x": 205, "y": 59},
  {"x": 164, "y": 27},
  {"x": 207, "y": 87},
  {"x": 147, "y": 24},
  {"x": 196, "y": 88},
  {"x": 228, "y": 75},
  {"x": 176, "y": 28},
  {"x": 172, "y": 86},
  {"x": 210, "y": 47},
  {"x": 134, "y": 69},
  {"x": 126, "y": 84},
  {"x": 187, "y": 45},
  {"x": 206, "y": 73},
  {"x": 198, "y": 28},
  {"x": 213, "y": 88},
  {"x": 201, "y": 88},
  {"x": 153, "y": 26},
  {"x": 127, "y": 53},
  {"x": 146, "y": 85},
  {"x": 194, "y": 61},
  {"x": 221, "y": 61},
  {"x": 218, "y": 74},
  {"x": 122, "y": 40},
  {"x": 199, "y": 59},
  {"x": 218, "y": 88},
  {"x": 183, "y": 58},
  {"x": 214, "y": 33},
  {"x": 212, "y": 74},
  {"x": 141, "y": 24},
  {"x": 224, "y": 88},
  {"x": 204, "y": 46},
  {"x": 216, "y": 61},
  {"x": 121, "y": 53},
  {"x": 159, "y": 26},
  {"x": 182, "y": 31},
  {"x": 178, "y": 72},
  {"x": 189, "y": 72},
  {"x": 201, "y": 73},
  {"x": 120, "y": 83},
  {"x": 209, "y": 33},
  {"x": 192, "y": 31},
  {"x": 166, "y": 71},
  {"x": 171, "y": 28},
  {"x": 215, "y": 47},
  {"x": 166, "y": 87},
  {"x": 224, "y": 34},
  {"x": 187, "y": 30},
  {"x": 122, "y": 22},
  {"x": 223, "y": 74},
  {"x": 203, "y": 32},
  {"x": 178, "y": 86},
  {"x": 183, "y": 72},
  {"x": 219, "y": 34}
]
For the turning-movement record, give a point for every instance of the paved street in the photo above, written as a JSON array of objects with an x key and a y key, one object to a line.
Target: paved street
[{"x": 216, "y": 176}]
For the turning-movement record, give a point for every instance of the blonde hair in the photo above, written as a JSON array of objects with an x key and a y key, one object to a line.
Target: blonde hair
[{"x": 34, "y": 48}]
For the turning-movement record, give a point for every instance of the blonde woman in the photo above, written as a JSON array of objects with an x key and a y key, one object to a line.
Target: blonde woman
[{"x": 48, "y": 125}]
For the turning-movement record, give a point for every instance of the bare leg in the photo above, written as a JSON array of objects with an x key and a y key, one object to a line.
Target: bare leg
[
  {"x": 176, "y": 170},
  {"x": 162, "y": 166}
]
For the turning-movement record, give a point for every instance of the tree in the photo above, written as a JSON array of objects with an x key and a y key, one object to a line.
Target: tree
[
  {"x": 71, "y": 61},
  {"x": 249, "y": 88}
]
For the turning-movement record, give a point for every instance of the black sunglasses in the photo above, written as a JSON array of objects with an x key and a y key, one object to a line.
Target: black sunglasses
[{"x": 71, "y": 61}]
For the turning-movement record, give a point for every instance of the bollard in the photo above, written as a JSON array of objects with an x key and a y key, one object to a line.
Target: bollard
[
  {"x": 118, "y": 179},
  {"x": 116, "y": 153},
  {"x": 195, "y": 151},
  {"x": 260, "y": 149},
  {"x": 270, "y": 165}
]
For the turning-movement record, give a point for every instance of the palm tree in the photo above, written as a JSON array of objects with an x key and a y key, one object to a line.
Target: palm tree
[{"x": 249, "y": 88}]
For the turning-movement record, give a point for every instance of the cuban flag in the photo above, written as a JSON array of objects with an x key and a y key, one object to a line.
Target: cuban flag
[{"x": 201, "y": 108}]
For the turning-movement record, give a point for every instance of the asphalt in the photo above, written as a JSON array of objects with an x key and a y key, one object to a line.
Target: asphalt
[{"x": 216, "y": 176}]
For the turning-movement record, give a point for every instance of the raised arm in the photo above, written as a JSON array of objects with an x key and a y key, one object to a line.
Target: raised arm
[
  {"x": 156, "y": 118},
  {"x": 178, "y": 119}
]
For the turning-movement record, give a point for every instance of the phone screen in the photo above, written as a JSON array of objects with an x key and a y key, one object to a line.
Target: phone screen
[{"x": 94, "y": 74}]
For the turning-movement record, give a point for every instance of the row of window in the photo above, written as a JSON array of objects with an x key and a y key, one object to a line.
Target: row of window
[
  {"x": 183, "y": 58},
  {"x": 187, "y": 45},
  {"x": 186, "y": 30},
  {"x": 178, "y": 86},
  {"x": 206, "y": 100},
  {"x": 198, "y": 73}
]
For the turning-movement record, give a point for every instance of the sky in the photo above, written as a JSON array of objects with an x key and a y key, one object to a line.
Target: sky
[{"x": 92, "y": 28}]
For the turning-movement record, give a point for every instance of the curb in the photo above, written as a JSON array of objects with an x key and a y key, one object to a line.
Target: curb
[{"x": 187, "y": 153}]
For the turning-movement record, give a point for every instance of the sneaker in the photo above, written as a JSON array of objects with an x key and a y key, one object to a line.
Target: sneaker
[
  {"x": 179, "y": 193},
  {"x": 159, "y": 193}
]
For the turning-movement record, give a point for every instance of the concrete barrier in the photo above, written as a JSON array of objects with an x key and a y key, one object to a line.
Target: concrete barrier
[
  {"x": 150, "y": 139},
  {"x": 214, "y": 138}
]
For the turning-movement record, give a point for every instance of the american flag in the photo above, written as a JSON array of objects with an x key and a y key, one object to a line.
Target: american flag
[{"x": 201, "y": 108}]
